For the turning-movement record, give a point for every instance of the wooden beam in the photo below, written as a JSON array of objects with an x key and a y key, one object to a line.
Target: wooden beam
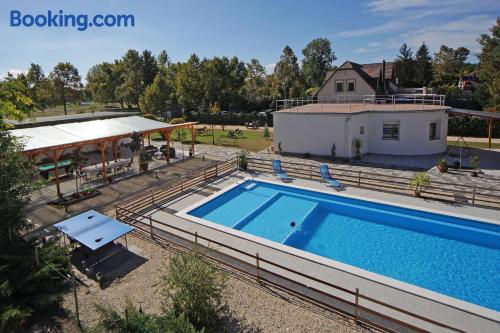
[
  {"x": 149, "y": 139},
  {"x": 54, "y": 156},
  {"x": 193, "y": 138},
  {"x": 167, "y": 134},
  {"x": 102, "y": 148},
  {"x": 490, "y": 131}
]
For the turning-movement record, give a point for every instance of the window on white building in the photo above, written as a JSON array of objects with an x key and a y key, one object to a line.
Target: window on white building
[
  {"x": 434, "y": 130},
  {"x": 351, "y": 85},
  {"x": 390, "y": 131},
  {"x": 339, "y": 86}
]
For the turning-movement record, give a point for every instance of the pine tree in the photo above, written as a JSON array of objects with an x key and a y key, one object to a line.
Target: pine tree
[
  {"x": 423, "y": 66},
  {"x": 405, "y": 66}
]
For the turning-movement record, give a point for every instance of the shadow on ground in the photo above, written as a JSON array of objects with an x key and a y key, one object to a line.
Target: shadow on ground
[{"x": 111, "y": 262}]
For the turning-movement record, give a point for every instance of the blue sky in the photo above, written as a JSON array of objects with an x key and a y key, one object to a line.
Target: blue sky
[{"x": 362, "y": 31}]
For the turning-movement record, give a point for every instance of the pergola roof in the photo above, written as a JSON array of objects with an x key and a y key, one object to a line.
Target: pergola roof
[
  {"x": 475, "y": 113},
  {"x": 71, "y": 134}
]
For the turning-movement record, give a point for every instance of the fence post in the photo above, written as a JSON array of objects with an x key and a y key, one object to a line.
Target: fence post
[
  {"x": 196, "y": 237},
  {"x": 205, "y": 174},
  {"x": 152, "y": 197},
  {"x": 359, "y": 178},
  {"x": 182, "y": 185},
  {"x": 216, "y": 170},
  {"x": 151, "y": 226},
  {"x": 116, "y": 212},
  {"x": 356, "y": 303},
  {"x": 310, "y": 172},
  {"x": 473, "y": 194}
]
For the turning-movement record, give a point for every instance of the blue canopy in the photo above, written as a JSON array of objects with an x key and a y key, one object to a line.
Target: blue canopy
[{"x": 93, "y": 229}]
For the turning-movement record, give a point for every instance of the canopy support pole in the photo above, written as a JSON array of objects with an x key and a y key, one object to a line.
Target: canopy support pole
[
  {"x": 167, "y": 135},
  {"x": 490, "y": 131},
  {"x": 193, "y": 138},
  {"x": 54, "y": 156},
  {"x": 102, "y": 147}
]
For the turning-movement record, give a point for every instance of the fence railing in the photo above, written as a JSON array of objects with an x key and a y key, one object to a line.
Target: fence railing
[
  {"x": 438, "y": 190},
  {"x": 423, "y": 99},
  {"x": 184, "y": 183},
  {"x": 154, "y": 228}
]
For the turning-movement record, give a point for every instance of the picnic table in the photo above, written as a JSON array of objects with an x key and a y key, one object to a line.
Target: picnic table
[
  {"x": 110, "y": 165},
  {"x": 51, "y": 166}
]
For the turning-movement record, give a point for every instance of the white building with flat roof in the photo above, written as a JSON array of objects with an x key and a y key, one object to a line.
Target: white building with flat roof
[{"x": 393, "y": 128}]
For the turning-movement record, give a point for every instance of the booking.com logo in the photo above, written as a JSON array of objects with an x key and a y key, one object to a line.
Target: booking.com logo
[{"x": 82, "y": 21}]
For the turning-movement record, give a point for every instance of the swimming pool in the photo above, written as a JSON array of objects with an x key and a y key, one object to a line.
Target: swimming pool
[{"x": 454, "y": 256}]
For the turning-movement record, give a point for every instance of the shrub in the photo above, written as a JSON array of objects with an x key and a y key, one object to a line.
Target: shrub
[
  {"x": 242, "y": 160},
  {"x": 149, "y": 116},
  {"x": 195, "y": 287},
  {"x": 332, "y": 151},
  {"x": 419, "y": 182},
  {"x": 356, "y": 146},
  {"x": 175, "y": 121}
]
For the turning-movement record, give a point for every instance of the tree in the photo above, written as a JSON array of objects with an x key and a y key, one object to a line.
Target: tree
[
  {"x": 149, "y": 67},
  {"x": 255, "y": 90},
  {"x": 189, "y": 84},
  {"x": 404, "y": 66},
  {"x": 449, "y": 64},
  {"x": 288, "y": 82},
  {"x": 102, "y": 82},
  {"x": 489, "y": 67},
  {"x": 423, "y": 66},
  {"x": 40, "y": 89},
  {"x": 67, "y": 83},
  {"x": 14, "y": 102},
  {"x": 163, "y": 60},
  {"x": 158, "y": 97},
  {"x": 318, "y": 58},
  {"x": 131, "y": 82},
  {"x": 194, "y": 287},
  {"x": 214, "y": 110},
  {"x": 266, "y": 135}
]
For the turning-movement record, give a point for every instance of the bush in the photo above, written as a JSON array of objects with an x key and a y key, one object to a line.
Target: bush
[
  {"x": 176, "y": 121},
  {"x": 26, "y": 288},
  {"x": 230, "y": 119},
  {"x": 419, "y": 182},
  {"x": 195, "y": 288},
  {"x": 134, "y": 320}
]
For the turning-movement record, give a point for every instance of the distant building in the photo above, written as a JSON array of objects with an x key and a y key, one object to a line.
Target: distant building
[
  {"x": 469, "y": 82},
  {"x": 353, "y": 79}
]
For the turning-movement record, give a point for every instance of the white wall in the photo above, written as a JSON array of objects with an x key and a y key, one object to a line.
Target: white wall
[{"x": 314, "y": 133}]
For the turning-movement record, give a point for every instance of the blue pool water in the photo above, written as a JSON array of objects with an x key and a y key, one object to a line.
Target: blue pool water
[{"x": 453, "y": 256}]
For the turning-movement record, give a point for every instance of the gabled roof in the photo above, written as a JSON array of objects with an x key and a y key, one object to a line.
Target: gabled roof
[{"x": 369, "y": 72}]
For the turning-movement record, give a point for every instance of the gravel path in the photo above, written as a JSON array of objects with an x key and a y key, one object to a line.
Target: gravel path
[{"x": 253, "y": 308}]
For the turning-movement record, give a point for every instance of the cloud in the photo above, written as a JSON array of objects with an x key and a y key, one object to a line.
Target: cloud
[
  {"x": 270, "y": 68},
  {"x": 386, "y": 27},
  {"x": 14, "y": 71},
  {"x": 395, "y": 5}
]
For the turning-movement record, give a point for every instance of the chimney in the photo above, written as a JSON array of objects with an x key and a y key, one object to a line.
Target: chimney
[{"x": 383, "y": 75}]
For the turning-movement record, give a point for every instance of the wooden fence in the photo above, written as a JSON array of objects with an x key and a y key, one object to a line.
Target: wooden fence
[{"x": 438, "y": 190}]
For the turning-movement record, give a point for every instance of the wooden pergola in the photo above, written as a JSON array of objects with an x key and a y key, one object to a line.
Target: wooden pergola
[
  {"x": 488, "y": 115},
  {"x": 54, "y": 152}
]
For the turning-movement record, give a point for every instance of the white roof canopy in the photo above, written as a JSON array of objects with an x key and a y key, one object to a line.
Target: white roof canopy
[{"x": 73, "y": 133}]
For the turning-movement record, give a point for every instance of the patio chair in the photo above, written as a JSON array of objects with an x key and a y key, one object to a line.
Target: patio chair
[
  {"x": 279, "y": 173},
  {"x": 325, "y": 175}
]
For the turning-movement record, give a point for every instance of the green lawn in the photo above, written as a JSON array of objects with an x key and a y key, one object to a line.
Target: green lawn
[
  {"x": 251, "y": 140},
  {"x": 475, "y": 144}
]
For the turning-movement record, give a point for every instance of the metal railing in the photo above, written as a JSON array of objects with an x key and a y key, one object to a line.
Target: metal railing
[{"x": 416, "y": 99}]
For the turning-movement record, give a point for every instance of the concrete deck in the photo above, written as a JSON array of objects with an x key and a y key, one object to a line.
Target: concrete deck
[{"x": 438, "y": 307}]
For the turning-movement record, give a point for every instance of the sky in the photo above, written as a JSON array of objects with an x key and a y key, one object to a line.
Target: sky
[{"x": 361, "y": 31}]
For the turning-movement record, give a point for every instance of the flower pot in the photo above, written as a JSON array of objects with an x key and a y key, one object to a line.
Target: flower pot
[{"x": 442, "y": 168}]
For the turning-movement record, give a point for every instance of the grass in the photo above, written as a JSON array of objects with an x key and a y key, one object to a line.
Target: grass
[
  {"x": 251, "y": 140},
  {"x": 76, "y": 109},
  {"x": 476, "y": 144}
]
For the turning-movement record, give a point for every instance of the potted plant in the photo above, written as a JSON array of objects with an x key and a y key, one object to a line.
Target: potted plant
[
  {"x": 356, "y": 145},
  {"x": 419, "y": 182},
  {"x": 144, "y": 159},
  {"x": 242, "y": 160},
  {"x": 442, "y": 165},
  {"x": 474, "y": 161}
]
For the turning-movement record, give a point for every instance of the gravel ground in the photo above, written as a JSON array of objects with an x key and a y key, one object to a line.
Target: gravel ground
[{"x": 252, "y": 308}]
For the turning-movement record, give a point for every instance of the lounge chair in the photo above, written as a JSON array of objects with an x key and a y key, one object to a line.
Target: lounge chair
[
  {"x": 279, "y": 173},
  {"x": 325, "y": 175}
]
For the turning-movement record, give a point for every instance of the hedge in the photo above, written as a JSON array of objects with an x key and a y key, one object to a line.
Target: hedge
[{"x": 471, "y": 127}]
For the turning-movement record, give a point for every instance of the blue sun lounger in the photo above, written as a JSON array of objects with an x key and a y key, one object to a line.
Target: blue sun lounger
[
  {"x": 325, "y": 175},
  {"x": 279, "y": 173}
]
